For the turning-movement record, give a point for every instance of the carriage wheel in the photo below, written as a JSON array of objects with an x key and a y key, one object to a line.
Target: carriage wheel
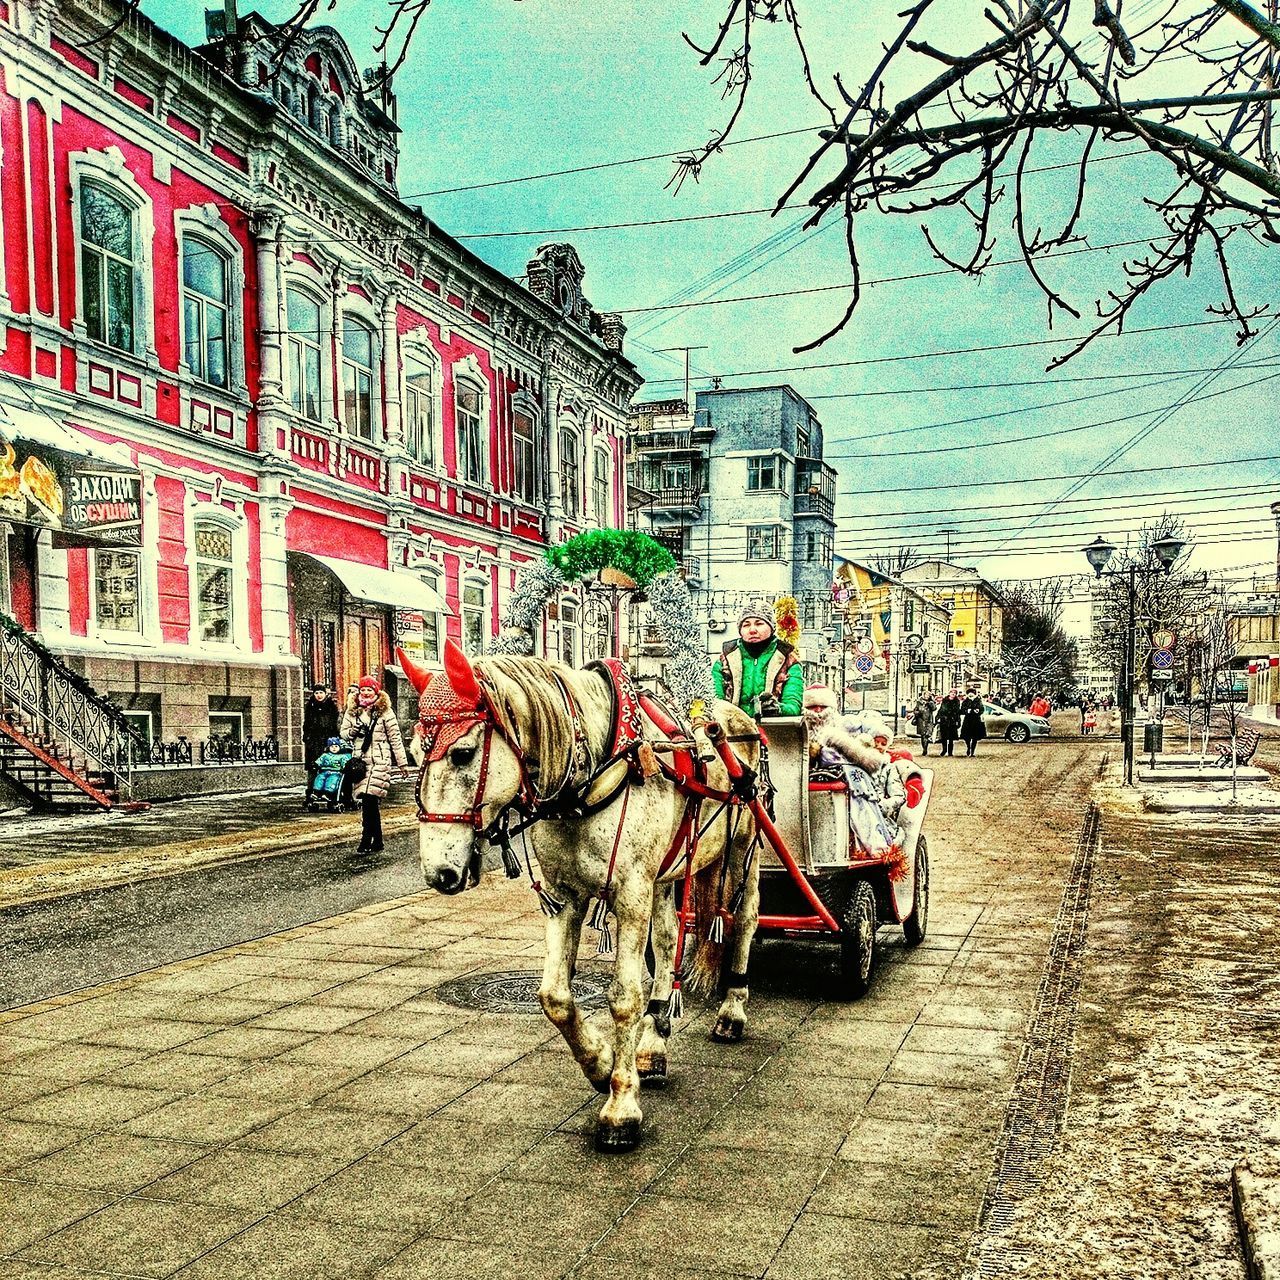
[
  {"x": 916, "y": 924},
  {"x": 858, "y": 942}
]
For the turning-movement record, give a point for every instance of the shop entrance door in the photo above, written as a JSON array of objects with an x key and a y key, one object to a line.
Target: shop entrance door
[{"x": 364, "y": 647}]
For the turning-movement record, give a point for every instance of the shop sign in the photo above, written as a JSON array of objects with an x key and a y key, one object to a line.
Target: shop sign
[
  {"x": 410, "y": 633},
  {"x": 72, "y": 494}
]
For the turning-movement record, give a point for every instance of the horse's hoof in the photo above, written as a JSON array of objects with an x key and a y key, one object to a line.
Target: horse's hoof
[
  {"x": 728, "y": 1030},
  {"x": 614, "y": 1139},
  {"x": 653, "y": 1071},
  {"x": 601, "y": 1086}
]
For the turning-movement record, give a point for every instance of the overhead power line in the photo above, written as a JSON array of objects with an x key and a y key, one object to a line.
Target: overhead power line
[{"x": 955, "y": 351}]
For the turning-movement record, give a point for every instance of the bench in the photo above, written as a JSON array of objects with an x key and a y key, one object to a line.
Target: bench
[{"x": 1246, "y": 744}]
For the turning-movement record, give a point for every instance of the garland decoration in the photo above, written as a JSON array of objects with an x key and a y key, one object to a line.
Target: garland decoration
[
  {"x": 634, "y": 554},
  {"x": 786, "y": 614},
  {"x": 651, "y": 567}
]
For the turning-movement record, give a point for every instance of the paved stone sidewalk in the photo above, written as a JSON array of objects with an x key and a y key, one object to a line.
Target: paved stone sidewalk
[
  {"x": 44, "y": 856},
  {"x": 309, "y": 1105}
]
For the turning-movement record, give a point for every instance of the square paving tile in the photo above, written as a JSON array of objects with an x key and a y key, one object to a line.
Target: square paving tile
[
  {"x": 16, "y": 1089},
  {"x": 141, "y": 1237},
  {"x": 903, "y": 1194},
  {"x": 325, "y": 1131},
  {"x": 570, "y": 1160},
  {"x": 877, "y": 1139},
  {"x": 176, "y": 1070},
  {"x": 372, "y": 1192},
  {"x": 14, "y": 1046},
  {"x": 726, "y": 1174},
  {"x": 93, "y": 1105},
  {"x": 248, "y": 1042},
  {"x": 312, "y": 1018},
  {"x": 206, "y": 1118},
  {"x": 962, "y": 1040},
  {"x": 350, "y": 1050},
  {"x": 823, "y": 1247},
  {"x": 572, "y": 1217},
  {"x": 22, "y": 1140},
  {"x": 524, "y": 1105},
  {"x": 72, "y": 1061},
  {"x": 33, "y": 1211},
  {"x": 395, "y": 1092},
  {"x": 112, "y": 1162},
  {"x": 243, "y": 1177},
  {"x": 293, "y": 1082},
  {"x": 950, "y": 1070},
  {"x": 467, "y": 1260},
  {"x": 806, "y": 1132},
  {"x": 285, "y": 1247},
  {"x": 218, "y": 1011},
  {"x": 151, "y": 1034},
  {"x": 693, "y": 1233}
]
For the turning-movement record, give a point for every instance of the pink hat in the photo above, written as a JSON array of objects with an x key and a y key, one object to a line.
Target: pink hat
[{"x": 369, "y": 682}]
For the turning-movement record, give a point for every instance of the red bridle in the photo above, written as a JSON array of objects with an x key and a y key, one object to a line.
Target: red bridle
[{"x": 431, "y": 727}]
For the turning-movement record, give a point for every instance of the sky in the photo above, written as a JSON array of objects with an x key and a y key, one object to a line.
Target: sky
[{"x": 501, "y": 89}]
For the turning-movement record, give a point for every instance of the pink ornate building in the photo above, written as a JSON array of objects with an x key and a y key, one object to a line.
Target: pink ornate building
[{"x": 327, "y": 426}]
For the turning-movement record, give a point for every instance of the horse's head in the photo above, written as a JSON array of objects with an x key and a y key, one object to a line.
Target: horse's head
[{"x": 470, "y": 771}]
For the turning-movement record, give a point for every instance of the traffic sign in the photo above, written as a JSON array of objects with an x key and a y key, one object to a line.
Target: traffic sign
[
  {"x": 865, "y": 645},
  {"x": 1162, "y": 674},
  {"x": 1163, "y": 639},
  {"x": 1161, "y": 661},
  {"x": 864, "y": 664}
]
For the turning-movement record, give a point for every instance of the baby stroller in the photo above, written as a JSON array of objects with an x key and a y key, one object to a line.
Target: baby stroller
[{"x": 330, "y": 786}]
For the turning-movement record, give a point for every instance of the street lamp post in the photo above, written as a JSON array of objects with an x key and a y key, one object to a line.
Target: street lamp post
[{"x": 1098, "y": 552}]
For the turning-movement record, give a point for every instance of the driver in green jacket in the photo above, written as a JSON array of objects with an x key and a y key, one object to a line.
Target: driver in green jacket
[{"x": 758, "y": 671}]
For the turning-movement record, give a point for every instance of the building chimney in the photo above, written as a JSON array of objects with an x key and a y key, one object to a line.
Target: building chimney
[{"x": 612, "y": 332}]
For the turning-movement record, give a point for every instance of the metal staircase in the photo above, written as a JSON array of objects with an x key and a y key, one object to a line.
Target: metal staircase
[{"x": 62, "y": 745}]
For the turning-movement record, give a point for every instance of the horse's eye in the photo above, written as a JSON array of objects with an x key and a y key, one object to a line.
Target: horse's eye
[{"x": 460, "y": 757}]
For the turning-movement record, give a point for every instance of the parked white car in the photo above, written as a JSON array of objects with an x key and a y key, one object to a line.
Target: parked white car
[{"x": 1013, "y": 726}]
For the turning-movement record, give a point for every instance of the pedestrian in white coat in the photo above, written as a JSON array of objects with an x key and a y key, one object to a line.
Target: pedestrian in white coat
[{"x": 370, "y": 725}]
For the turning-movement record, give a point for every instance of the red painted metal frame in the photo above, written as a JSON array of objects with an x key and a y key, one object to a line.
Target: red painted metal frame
[{"x": 57, "y": 766}]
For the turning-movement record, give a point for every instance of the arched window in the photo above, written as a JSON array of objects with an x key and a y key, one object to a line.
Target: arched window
[
  {"x": 526, "y": 458},
  {"x": 357, "y": 377},
  {"x": 600, "y": 488},
  {"x": 108, "y": 266},
  {"x": 475, "y": 616},
  {"x": 570, "y": 472},
  {"x": 215, "y": 575},
  {"x": 419, "y": 411},
  {"x": 469, "y": 428},
  {"x": 205, "y": 314},
  {"x": 303, "y": 353}
]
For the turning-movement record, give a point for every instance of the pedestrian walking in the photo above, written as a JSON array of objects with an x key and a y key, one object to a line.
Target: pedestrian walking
[
  {"x": 972, "y": 729},
  {"x": 369, "y": 724},
  {"x": 922, "y": 721},
  {"x": 320, "y": 716},
  {"x": 1090, "y": 719},
  {"x": 948, "y": 722}
]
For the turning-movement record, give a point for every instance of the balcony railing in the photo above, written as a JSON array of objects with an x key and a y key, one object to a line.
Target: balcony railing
[{"x": 814, "y": 504}]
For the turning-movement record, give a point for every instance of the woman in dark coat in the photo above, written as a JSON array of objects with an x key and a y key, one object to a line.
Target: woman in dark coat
[
  {"x": 949, "y": 722},
  {"x": 319, "y": 724},
  {"x": 972, "y": 730}
]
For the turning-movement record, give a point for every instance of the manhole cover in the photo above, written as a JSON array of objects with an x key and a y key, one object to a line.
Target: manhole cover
[{"x": 517, "y": 991}]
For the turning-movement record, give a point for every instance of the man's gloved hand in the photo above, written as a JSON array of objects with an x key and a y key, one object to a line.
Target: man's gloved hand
[{"x": 769, "y": 705}]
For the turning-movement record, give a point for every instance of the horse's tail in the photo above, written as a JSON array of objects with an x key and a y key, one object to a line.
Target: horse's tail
[{"x": 708, "y": 953}]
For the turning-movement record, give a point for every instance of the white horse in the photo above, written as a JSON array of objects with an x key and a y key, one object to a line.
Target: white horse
[{"x": 511, "y": 739}]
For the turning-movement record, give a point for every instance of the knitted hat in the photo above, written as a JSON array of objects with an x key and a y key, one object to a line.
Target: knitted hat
[
  {"x": 319, "y": 687},
  {"x": 758, "y": 611},
  {"x": 820, "y": 695},
  {"x": 369, "y": 682}
]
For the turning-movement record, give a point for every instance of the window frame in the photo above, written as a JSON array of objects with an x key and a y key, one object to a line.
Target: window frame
[
  {"x": 304, "y": 341},
  {"x": 107, "y": 256},
  {"x": 602, "y": 488},
  {"x": 469, "y": 608},
  {"x": 774, "y": 532},
  {"x": 360, "y": 425},
  {"x": 777, "y": 478},
  {"x": 189, "y": 295},
  {"x": 210, "y": 521},
  {"x": 421, "y": 445},
  {"x": 137, "y": 633},
  {"x": 475, "y": 422},
  {"x": 570, "y": 469},
  {"x": 525, "y": 478}
]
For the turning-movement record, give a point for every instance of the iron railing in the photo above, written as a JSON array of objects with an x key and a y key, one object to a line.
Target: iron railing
[
  {"x": 85, "y": 730},
  {"x": 220, "y": 749}
]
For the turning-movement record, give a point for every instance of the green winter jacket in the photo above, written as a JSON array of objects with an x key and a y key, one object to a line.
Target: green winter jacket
[{"x": 740, "y": 678}]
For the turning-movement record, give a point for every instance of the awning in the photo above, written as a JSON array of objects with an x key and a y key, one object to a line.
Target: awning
[
  {"x": 55, "y": 477},
  {"x": 383, "y": 586}
]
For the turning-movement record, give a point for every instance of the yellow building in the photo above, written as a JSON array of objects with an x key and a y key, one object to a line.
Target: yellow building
[{"x": 977, "y": 616}]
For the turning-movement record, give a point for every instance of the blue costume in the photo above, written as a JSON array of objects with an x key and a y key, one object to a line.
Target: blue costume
[{"x": 329, "y": 767}]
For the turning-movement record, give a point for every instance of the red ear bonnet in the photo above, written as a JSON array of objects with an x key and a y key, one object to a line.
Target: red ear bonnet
[
  {"x": 418, "y": 675},
  {"x": 462, "y": 679}
]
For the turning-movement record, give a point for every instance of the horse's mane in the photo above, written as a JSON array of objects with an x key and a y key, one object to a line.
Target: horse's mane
[{"x": 526, "y": 698}]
